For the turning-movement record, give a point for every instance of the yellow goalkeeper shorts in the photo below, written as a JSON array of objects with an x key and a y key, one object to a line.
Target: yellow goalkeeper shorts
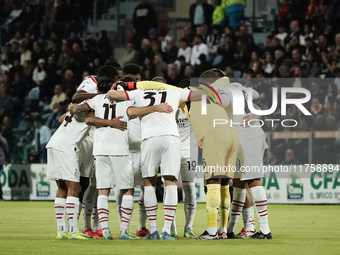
[{"x": 220, "y": 150}]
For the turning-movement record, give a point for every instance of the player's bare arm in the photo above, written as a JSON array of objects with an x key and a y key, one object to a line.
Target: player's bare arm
[
  {"x": 114, "y": 123},
  {"x": 247, "y": 118},
  {"x": 143, "y": 85},
  {"x": 80, "y": 96},
  {"x": 62, "y": 117},
  {"x": 142, "y": 111},
  {"x": 78, "y": 108},
  {"x": 117, "y": 95}
]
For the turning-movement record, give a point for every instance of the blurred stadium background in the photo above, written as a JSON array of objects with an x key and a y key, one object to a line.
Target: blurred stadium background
[{"x": 47, "y": 47}]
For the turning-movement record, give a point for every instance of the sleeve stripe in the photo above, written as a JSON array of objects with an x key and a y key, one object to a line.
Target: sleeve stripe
[
  {"x": 88, "y": 106},
  {"x": 94, "y": 80},
  {"x": 127, "y": 95},
  {"x": 131, "y": 85},
  {"x": 189, "y": 96},
  {"x": 129, "y": 108},
  {"x": 81, "y": 90}
]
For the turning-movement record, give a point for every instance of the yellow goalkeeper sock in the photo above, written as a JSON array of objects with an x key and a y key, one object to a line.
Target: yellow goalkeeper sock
[
  {"x": 225, "y": 207},
  {"x": 213, "y": 198}
]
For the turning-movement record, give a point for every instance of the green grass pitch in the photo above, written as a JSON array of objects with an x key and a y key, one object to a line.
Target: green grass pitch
[{"x": 30, "y": 228}]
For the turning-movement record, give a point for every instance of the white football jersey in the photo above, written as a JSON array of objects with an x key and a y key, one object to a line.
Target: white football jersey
[
  {"x": 73, "y": 130},
  {"x": 183, "y": 124},
  {"x": 107, "y": 140},
  {"x": 135, "y": 134},
  {"x": 227, "y": 101},
  {"x": 88, "y": 85},
  {"x": 159, "y": 123}
]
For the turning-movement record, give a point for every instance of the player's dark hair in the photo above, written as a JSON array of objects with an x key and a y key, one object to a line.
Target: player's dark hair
[
  {"x": 113, "y": 63},
  {"x": 104, "y": 85},
  {"x": 132, "y": 69},
  {"x": 159, "y": 79},
  {"x": 127, "y": 79},
  {"x": 107, "y": 72},
  {"x": 209, "y": 74},
  {"x": 218, "y": 72},
  {"x": 184, "y": 84}
]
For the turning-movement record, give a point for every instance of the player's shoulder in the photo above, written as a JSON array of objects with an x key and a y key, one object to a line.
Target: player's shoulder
[{"x": 88, "y": 82}]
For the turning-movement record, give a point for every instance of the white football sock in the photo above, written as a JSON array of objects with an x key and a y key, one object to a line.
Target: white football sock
[
  {"x": 170, "y": 206},
  {"x": 72, "y": 209},
  {"x": 189, "y": 203},
  {"x": 247, "y": 214},
  {"x": 142, "y": 213},
  {"x": 60, "y": 212},
  {"x": 150, "y": 202},
  {"x": 236, "y": 208},
  {"x": 260, "y": 199},
  {"x": 119, "y": 197},
  {"x": 103, "y": 212},
  {"x": 126, "y": 211}
]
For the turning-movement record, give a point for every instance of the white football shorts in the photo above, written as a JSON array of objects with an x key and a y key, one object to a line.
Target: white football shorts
[
  {"x": 86, "y": 159},
  {"x": 189, "y": 159},
  {"x": 114, "y": 171},
  {"x": 62, "y": 165},
  {"x": 250, "y": 158},
  {"x": 136, "y": 164},
  {"x": 163, "y": 152}
]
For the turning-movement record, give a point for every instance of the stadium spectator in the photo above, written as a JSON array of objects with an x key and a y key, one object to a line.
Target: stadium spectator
[
  {"x": 197, "y": 50},
  {"x": 290, "y": 158},
  {"x": 44, "y": 137},
  {"x": 13, "y": 23},
  {"x": 145, "y": 52},
  {"x": 62, "y": 19},
  {"x": 144, "y": 18},
  {"x": 104, "y": 46},
  {"x": 306, "y": 33},
  {"x": 234, "y": 10},
  {"x": 171, "y": 55},
  {"x": 188, "y": 72},
  {"x": 129, "y": 55},
  {"x": 172, "y": 75},
  {"x": 160, "y": 65},
  {"x": 18, "y": 88},
  {"x": 294, "y": 31},
  {"x": 48, "y": 18},
  {"x": 184, "y": 50},
  {"x": 59, "y": 96},
  {"x": 310, "y": 10},
  {"x": 284, "y": 12},
  {"x": 200, "y": 13},
  {"x": 64, "y": 56},
  {"x": 26, "y": 54},
  {"x": 218, "y": 17},
  {"x": 69, "y": 83},
  {"x": 38, "y": 53},
  {"x": 272, "y": 158},
  {"x": 317, "y": 108},
  {"x": 6, "y": 101}
]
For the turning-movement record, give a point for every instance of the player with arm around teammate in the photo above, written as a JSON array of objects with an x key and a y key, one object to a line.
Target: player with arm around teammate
[
  {"x": 113, "y": 160},
  {"x": 63, "y": 166}
]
